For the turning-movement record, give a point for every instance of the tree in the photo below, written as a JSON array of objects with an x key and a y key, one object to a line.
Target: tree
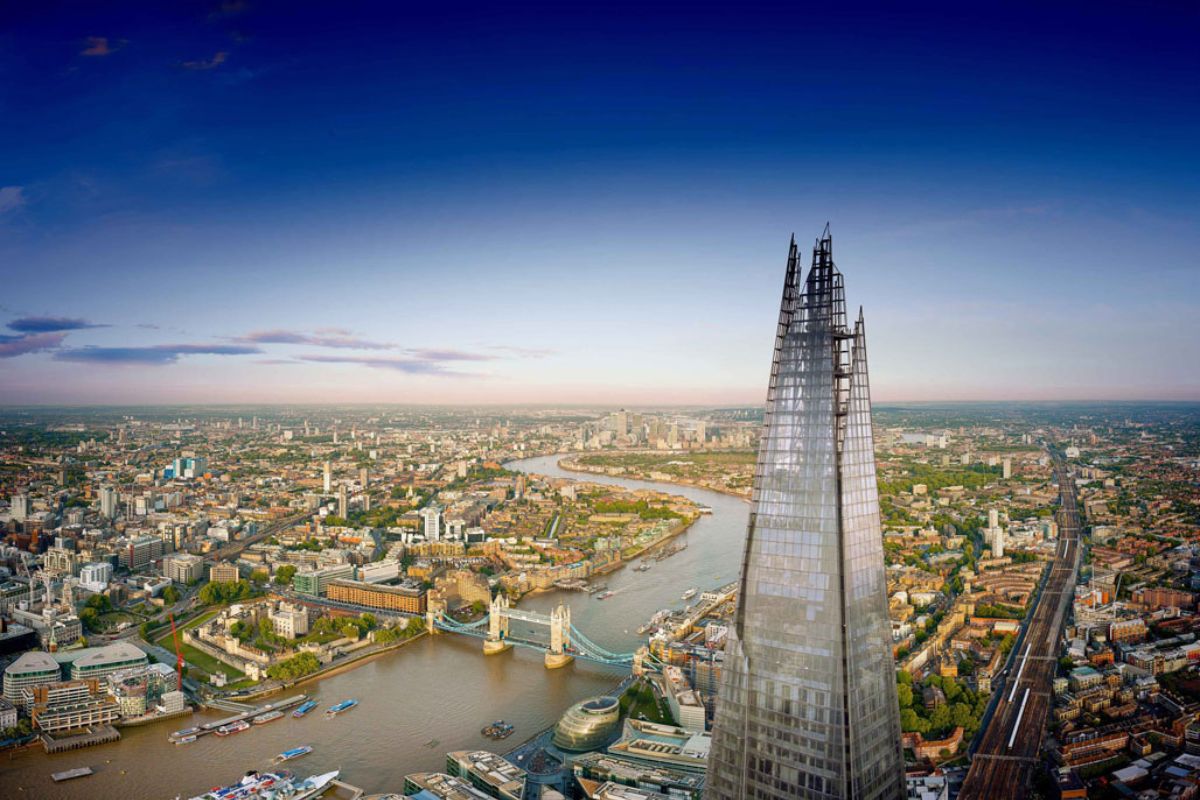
[
  {"x": 940, "y": 719},
  {"x": 962, "y": 716},
  {"x": 90, "y": 618},
  {"x": 284, "y": 575},
  {"x": 170, "y": 595},
  {"x": 909, "y": 721},
  {"x": 368, "y": 619},
  {"x": 100, "y": 603},
  {"x": 905, "y": 693}
]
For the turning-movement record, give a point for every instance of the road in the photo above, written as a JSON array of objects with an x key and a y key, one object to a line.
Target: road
[{"x": 1009, "y": 749}]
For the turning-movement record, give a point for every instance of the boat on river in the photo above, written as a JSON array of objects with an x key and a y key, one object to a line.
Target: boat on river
[
  {"x": 605, "y": 595},
  {"x": 689, "y": 594},
  {"x": 295, "y": 752},
  {"x": 252, "y": 786},
  {"x": 498, "y": 730},
  {"x": 642, "y": 567},
  {"x": 191, "y": 737},
  {"x": 233, "y": 727},
  {"x": 305, "y": 707},
  {"x": 345, "y": 705},
  {"x": 270, "y": 716},
  {"x": 278, "y": 785}
]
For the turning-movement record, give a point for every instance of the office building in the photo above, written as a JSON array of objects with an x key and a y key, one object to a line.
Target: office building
[
  {"x": 439, "y": 786},
  {"x": 327, "y": 482},
  {"x": 223, "y": 572},
  {"x": 8, "y": 715},
  {"x": 807, "y": 707},
  {"x": 663, "y": 746},
  {"x": 343, "y": 501},
  {"x": 588, "y": 725},
  {"x": 183, "y": 568},
  {"x": 408, "y": 597},
  {"x": 488, "y": 773},
  {"x": 31, "y": 670},
  {"x": 110, "y": 502},
  {"x": 608, "y": 768},
  {"x": 98, "y": 662},
  {"x": 140, "y": 551},
  {"x": 19, "y": 507},
  {"x": 315, "y": 582},
  {"x": 432, "y": 517}
]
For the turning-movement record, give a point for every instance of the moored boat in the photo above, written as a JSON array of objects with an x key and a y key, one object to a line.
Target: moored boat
[
  {"x": 233, "y": 727},
  {"x": 191, "y": 737},
  {"x": 252, "y": 786},
  {"x": 305, "y": 707},
  {"x": 312, "y": 786},
  {"x": 270, "y": 716},
  {"x": 689, "y": 594}
]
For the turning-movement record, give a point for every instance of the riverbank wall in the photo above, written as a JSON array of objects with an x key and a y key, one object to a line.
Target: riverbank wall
[
  {"x": 568, "y": 464},
  {"x": 332, "y": 669}
]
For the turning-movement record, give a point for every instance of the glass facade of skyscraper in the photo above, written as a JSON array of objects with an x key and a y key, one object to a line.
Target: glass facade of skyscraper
[{"x": 807, "y": 707}]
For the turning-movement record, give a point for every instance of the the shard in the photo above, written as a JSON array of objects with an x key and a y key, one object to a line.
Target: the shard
[{"x": 807, "y": 705}]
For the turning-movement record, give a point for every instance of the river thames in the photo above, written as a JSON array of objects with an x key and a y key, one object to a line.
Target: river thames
[{"x": 417, "y": 703}]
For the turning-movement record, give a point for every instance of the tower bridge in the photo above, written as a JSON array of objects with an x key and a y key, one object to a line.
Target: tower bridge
[{"x": 563, "y": 644}]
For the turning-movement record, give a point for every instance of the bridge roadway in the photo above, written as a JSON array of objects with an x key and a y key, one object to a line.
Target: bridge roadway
[{"x": 1009, "y": 749}]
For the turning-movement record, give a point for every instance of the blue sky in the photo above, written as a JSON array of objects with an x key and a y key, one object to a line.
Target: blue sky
[{"x": 280, "y": 202}]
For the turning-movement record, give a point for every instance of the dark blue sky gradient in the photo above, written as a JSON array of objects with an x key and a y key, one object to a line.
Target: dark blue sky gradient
[{"x": 215, "y": 168}]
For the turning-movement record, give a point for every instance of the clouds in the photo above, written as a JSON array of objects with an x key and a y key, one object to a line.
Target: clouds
[
  {"x": 99, "y": 46},
  {"x": 326, "y": 337},
  {"x": 47, "y": 334},
  {"x": 11, "y": 198},
  {"x": 13, "y": 346},
  {"x": 207, "y": 63},
  {"x": 156, "y": 355},
  {"x": 450, "y": 355},
  {"x": 38, "y": 334},
  {"x": 411, "y": 366},
  {"x": 51, "y": 324}
]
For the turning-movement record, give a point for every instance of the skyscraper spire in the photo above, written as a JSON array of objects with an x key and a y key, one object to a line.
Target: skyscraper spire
[{"x": 807, "y": 707}]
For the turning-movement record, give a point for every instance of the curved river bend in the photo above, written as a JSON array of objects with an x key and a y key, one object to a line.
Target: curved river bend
[{"x": 428, "y": 698}]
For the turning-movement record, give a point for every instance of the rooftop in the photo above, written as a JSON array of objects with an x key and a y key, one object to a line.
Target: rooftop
[{"x": 33, "y": 661}]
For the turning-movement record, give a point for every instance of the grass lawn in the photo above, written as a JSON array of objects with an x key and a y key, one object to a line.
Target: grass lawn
[
  {"x": 164, "y": 640},
  {"x": 209, "y": 664},
  {"x": 639, "y": 701},
  {"x": 112, "y": 619}
]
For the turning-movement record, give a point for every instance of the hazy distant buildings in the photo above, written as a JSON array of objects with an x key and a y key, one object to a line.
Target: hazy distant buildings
[
  {"x": 20, "y": 507},
  {"x": 110, "y": 502},
  {"x": 807, "y": 707},
  {"x": 431, "y": 516}
]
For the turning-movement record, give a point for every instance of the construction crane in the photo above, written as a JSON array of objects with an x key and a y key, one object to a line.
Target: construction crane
[{"x": 178, "y": 653}]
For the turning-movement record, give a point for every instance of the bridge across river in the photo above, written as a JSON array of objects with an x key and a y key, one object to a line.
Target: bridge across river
[{"x": 565, "y": 642}]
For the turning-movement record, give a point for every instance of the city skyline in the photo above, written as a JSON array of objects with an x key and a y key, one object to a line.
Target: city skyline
[{"x": 224, "y": 202}]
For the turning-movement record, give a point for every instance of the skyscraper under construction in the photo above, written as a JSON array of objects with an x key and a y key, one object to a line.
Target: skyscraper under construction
[{"x": 807, "y": 706}]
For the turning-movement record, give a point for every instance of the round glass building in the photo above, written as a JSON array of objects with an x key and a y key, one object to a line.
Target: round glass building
[{"x": 588, "y": 725}]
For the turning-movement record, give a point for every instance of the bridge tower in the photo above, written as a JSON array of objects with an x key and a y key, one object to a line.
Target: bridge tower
[
  {"x": 433, "y": 613},
  {"x": 560, "y": 638},
  {"x": 497, "y": 638}
]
